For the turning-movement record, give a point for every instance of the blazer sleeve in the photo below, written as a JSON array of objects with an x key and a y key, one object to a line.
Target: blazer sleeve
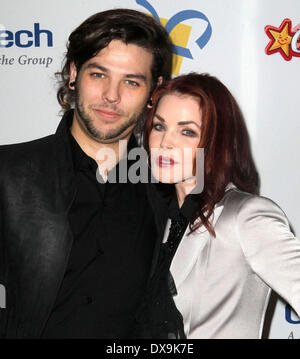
[
  {"x": 2, "y": 287},
  {"x": 270, "y": 248},
  {"x": 1, "y": 251}
]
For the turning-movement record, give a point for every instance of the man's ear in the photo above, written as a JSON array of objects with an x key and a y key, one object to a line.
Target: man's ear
[
  {"x": 159, "y": 82},
  {"x": 73, "y": 75}
]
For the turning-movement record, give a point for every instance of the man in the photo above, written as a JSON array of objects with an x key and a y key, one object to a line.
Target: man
[{"x": 75, "y": 253}]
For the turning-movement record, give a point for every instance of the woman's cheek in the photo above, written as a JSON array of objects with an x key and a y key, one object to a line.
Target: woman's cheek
[{"x": 153, "y": 139}]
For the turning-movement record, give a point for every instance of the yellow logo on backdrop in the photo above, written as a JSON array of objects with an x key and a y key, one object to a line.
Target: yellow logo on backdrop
[
  {"x": 179, "y": 36},
  {"x": 283, "y": 39},
  {"x": 180, "y": 33}
]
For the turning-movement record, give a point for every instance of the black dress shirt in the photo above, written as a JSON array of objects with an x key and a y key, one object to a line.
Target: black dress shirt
[
  {"x": 158, "y": 316},
  {"x": 114, "y": 233}
]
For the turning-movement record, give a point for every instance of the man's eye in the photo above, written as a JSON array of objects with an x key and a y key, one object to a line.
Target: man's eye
[
  {"x": 98, "y": 74},
  {"x": 132, "y": 83}
]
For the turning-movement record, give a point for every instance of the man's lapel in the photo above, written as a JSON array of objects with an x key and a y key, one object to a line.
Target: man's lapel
[{"x": 47, "y": 236}]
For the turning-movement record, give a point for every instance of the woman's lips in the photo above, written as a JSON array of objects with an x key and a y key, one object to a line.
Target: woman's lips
[
  {"x": 165, "y": 161},
  {"x": 108, "y": 115}
]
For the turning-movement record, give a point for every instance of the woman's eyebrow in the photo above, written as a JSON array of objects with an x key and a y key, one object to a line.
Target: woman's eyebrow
[
  {"x": 182, "y": 123},
  {"x": 159, "y": 117}
]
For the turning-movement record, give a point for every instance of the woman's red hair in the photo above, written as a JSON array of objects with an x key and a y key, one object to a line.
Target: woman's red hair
[{"x": 224, "y": 137}]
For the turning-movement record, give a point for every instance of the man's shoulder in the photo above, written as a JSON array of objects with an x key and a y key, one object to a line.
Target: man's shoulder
[
  {"x": 20, "y": 153},
  {"x": 38, "y": 148},
  {"x": 28, "y": 145}
]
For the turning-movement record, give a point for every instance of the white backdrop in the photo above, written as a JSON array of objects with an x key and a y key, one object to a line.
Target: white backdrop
[{"x": 266, "y": 86}]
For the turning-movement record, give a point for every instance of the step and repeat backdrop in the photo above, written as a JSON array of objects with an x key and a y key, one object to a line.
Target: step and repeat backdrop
[{"x": 253, "y": 46}]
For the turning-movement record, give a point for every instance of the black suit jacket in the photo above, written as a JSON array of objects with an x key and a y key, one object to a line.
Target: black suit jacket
[{"x": 37, "y": 187}]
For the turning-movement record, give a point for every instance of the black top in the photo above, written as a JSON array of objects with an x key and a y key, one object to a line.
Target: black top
[
  {"x": 114, "y": 233},
  {"x": 158, "y": 317}
]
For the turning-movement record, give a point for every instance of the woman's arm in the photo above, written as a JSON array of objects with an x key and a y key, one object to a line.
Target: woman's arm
[{"x": 271, "y": 249}]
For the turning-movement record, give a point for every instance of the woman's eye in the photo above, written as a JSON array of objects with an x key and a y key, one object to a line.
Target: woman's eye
[
  {"x": 189, "y": 133},
  {"x": 157, "y": 127}
]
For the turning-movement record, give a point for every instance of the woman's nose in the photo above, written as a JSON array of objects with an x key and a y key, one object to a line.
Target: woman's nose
[{"x": 167, "y": 141}]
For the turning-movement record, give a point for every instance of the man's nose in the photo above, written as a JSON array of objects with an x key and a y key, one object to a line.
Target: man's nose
[{"x": 111, "y": 93}]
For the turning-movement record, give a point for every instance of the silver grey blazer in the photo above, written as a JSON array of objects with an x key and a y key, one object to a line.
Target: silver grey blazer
[{"x": 224, "y": 282}]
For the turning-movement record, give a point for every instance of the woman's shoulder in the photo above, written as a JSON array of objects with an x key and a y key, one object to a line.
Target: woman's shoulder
[{"x": 243, "y": 205}]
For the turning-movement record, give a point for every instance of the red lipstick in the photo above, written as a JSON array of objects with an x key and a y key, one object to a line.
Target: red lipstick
[{"x": 165, "y": 161}]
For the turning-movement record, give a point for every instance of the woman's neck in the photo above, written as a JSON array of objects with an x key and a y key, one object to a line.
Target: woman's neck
[{"x": 182, "y": 190}]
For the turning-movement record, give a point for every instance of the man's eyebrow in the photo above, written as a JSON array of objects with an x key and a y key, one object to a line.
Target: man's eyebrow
[
  {"x": 138, "y": 76},
  {"x": 93, "y": 65}
]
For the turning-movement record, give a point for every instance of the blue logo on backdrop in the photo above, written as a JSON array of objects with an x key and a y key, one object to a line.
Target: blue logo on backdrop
[
  {"x": 288, "y": 316},
  {"x": 177, "y": 19},
  {"x": 26, "y": 38}
]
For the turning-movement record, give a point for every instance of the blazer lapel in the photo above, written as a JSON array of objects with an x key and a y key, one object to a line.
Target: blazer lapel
[{"x": 189, "y": 249}]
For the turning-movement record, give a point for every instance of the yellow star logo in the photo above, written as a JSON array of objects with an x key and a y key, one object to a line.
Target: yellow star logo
[{"x": 280, "y": 39}]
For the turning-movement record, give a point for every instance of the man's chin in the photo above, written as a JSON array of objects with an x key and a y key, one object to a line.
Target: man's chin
[
  {"x": 109, "y": 138},
  {"x": 106, "y": 141},
  {"x": 109, "y": 135}
]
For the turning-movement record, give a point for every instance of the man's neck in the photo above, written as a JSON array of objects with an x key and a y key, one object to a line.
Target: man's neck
[{"x": 97, "y": 150}]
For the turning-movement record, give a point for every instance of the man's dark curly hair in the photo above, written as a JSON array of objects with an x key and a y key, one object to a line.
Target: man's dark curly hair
[{"x": 95, "y": 33}]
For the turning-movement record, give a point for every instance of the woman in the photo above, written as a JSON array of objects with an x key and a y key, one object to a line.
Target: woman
[{"x": 223, "y": 248}]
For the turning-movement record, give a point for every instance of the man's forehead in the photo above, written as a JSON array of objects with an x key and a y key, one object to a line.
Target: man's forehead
[{"x": 119, "y": 57}]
